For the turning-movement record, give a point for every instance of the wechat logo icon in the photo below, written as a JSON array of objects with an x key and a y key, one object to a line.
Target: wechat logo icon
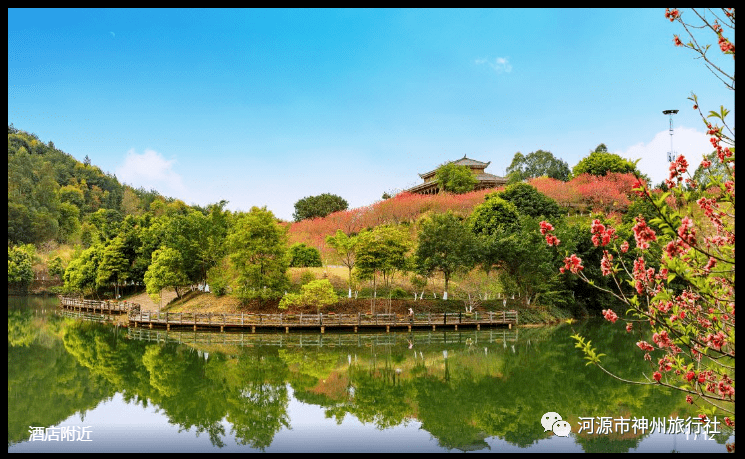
[{"x": 552, "y": 421}]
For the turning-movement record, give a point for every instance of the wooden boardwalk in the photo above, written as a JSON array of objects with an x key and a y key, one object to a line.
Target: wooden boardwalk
[
  {"x": 322, "y": 322},
  {"x": 104, "y": 307},
  {"x": 246, "y": 321}
]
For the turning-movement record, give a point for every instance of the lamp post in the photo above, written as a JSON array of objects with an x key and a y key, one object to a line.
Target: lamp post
[{"x": 671, "y": 156}]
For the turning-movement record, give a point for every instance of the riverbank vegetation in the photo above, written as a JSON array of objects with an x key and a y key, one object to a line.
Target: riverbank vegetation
[{"x": 478, "y": 250}]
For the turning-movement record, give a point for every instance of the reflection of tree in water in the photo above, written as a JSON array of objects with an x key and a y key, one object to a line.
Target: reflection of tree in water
[
  {"x": 46, "y": 385},
  {"x": 192, "y": 391},
  {"x": 607, "y": 444},
  {"x": 444, "y": 410},
  {"x": 498, "y": 392},
  {"x": 260, "y": 409}
]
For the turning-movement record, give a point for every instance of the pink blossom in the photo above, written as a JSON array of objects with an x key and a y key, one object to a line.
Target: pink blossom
[
  {"x": 645, "y": 346},
  {"x": 572, "y": 263},
  {"x": 642, "y": 233},
  {"x": 606, "y": 267},
  {"x": 610, "y": 315},
  {"x": 601, "y": 235}
]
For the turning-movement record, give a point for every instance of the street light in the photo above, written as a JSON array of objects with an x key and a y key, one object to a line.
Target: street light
[{"x": 670, "y": 154}]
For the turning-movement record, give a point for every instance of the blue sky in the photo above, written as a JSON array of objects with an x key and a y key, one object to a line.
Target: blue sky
[{"x": 265, "y": 107}]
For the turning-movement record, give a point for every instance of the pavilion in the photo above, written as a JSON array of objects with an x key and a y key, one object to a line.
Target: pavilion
[{"x": 485, "y": 180}]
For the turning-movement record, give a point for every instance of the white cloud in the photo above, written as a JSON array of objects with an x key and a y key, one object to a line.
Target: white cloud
[
  {"x": 500, "y": 64},
  {"x": 653, "y": 155},
  {"x": 151, "y": 171}
]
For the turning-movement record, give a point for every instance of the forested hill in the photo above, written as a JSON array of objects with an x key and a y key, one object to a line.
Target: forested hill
[{"x": 53, "y": 196}]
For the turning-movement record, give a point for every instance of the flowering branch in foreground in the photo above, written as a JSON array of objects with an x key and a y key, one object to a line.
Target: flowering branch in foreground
[{"x": 689, "y": 302}]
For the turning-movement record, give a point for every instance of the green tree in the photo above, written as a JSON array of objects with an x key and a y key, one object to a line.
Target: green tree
[
  {"x": 258, "y": 250},
  {"x": 526, "y": 267},
  {"x": 56, "y": 268},
  {"x": 319, "y": 293},
  {"x": 445, "y": 245},
  {"x": 318, "y": 206},
  {"x": 382, "y": 249},
  {"x": 81, "y": 272},
  {"x": 165, "y": 271},
  {"x": 714, "y": 174},
  {"x": 492, "y": 214},
  {"x": 20, "y": 266},
  {"x": 302, "y": 256},
  {"x": 346, "y": 249},
  {"x": 455, "y": 179},
  {"x": 529, "y": 201},
  {"x": 537, "y": 164},
  {"x": 114, "y": 266},
  {"x": 600, "y": 162},
  {"x": 68, "y": 222}
]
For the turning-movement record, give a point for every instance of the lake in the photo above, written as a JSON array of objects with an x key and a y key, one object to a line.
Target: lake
[{"x": 77, "y": 385}]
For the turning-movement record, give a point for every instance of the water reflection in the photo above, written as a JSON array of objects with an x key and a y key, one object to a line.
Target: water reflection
[{"x": 469, "y": 390}]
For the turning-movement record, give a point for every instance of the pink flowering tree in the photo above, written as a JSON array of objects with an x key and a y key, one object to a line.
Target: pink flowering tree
[{"x": 679, "y": 278}]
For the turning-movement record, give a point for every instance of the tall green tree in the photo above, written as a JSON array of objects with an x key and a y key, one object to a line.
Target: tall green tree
[
  {"x": 165, "y": 271},
  {"x": 258, "y": 250},
  {"x": 82, "y": 271},
  {"x": 525, "y": 267},
  {"x": 20, "y": 266},
  {"x": 346, "y": 250},
  {"x": 318, "y": 206},
  {"x": 382, "y": 249},
  {"x": 453, "y": 178},
  {"x": 537, "y": 164},
  {"x": 446, "y": 245},
  {"x": 115, "y": 265}
]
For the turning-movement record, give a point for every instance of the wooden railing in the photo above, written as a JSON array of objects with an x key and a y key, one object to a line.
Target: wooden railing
[
  {"x": 305, "y": 320},
  {"x": 103, "y": 306},
  {"x": 492, "y": 336}
]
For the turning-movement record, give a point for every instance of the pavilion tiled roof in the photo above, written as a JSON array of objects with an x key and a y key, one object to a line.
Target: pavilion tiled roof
[
  {"x": 485, "y": 180},
  {"x": 464, "y": 161}
]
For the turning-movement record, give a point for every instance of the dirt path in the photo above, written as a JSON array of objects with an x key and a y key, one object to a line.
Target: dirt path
[{"x": 147, "y": 304}]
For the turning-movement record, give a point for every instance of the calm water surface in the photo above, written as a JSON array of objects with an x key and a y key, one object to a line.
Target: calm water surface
[{"x": 135, "y": 390}]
